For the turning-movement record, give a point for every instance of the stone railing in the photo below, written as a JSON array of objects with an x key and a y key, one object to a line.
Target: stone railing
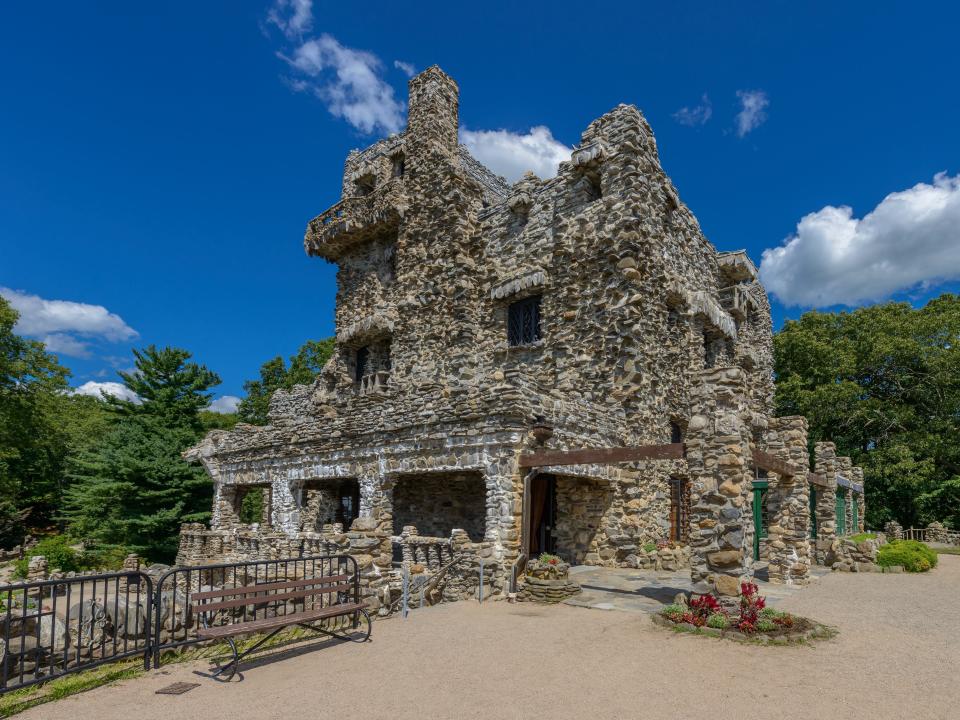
[
  {"x": 430, "y": 552},
  {"x": 736, "y": 301},
  {"x": 354, "y": 219},
  {"x": 376, "y": 383}
]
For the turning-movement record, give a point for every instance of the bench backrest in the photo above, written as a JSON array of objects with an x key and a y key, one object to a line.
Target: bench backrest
[{"x": 259, "y": 594}]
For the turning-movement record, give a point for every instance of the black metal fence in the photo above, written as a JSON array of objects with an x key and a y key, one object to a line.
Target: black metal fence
[{"x": 55, "y": 627}]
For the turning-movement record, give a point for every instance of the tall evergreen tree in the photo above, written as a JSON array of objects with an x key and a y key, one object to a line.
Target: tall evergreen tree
[{"x": 133, "y": 489}]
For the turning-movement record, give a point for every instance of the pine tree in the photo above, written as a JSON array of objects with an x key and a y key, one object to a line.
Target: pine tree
[{"x": 133, "y": 489}]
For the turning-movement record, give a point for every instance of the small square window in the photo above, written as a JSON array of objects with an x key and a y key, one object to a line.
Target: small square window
[{"x": 523, "y": 321}]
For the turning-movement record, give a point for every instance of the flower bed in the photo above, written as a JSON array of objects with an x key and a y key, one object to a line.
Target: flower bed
[{"x": 753, "y": 620}]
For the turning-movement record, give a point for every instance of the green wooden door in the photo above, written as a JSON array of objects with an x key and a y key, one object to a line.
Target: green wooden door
[
  {"x": 813, "y": 513},
  {"x": 841, "y": 515},
  {"x": 855, "y": 515}
]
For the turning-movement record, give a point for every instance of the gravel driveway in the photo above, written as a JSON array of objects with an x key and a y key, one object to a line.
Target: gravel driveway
[{"x": 897, "y": 656}]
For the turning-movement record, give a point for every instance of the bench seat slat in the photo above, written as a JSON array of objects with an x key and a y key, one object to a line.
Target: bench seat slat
[
  {"x": 248, "y": 589},
  {"x": 221, "y": 631},
  {"x": 267, "y": 598}
]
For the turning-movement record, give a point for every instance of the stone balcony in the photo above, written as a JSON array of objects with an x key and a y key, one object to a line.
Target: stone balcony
[
  {"x": 355, "y": 220},
  {"x": 736, "y": 300}
]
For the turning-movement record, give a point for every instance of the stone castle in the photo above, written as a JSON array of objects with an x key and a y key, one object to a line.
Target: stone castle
[{"x": 479, "y": 322}]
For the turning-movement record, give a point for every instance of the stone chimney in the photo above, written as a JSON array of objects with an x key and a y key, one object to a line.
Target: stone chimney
[{"x": 433, "y": 111}]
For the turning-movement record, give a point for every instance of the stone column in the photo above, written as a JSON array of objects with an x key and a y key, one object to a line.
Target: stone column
[
  {"x": 718, "y": 453},
  {"x": 861, "y": 500},
  {"x": 825, "y": 464},
  {"x": 226, "y": 507},
  {"x": 788, "y": 541}
]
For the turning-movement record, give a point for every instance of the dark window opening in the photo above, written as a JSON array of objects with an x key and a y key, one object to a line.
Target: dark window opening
[
  {"x": 587, "y": 185},
  {"x": 523, "y": 321},
  {"x": 329, "y": 501},
  {"x": 399, "y": 164},
  {"x": 679, "y": 509},
  {"x": 254, "y": 504},
  {"x": 366, "y": 184},
  {"x": 361, "y": 362},
  {"x": 676, "y": 433}
]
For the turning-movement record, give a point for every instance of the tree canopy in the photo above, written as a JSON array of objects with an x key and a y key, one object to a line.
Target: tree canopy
[
  {"x": 275, "y": 375},
  {"x": 883, "y": 383}
]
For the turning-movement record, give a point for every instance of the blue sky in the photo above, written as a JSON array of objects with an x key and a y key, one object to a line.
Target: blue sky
[{"x": 158, "y": 163}]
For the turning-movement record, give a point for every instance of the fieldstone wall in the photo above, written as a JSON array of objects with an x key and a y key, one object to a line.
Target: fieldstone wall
[
  {"x": 845, "y": 555},
  {"x": 437, "y": 504}
]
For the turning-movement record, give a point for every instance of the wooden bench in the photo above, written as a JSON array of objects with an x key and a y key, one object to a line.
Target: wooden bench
[{"x": 324, "y": 597}]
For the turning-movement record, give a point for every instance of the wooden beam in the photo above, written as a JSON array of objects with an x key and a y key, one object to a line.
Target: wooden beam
[
  {"x": 817, "y": 479},
  {"x": 771, "y": 463},
  {"x": 603, "y": 456}
]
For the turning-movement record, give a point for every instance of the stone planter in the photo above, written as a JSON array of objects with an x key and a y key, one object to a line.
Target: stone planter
[{"x": 547, "y": 583}]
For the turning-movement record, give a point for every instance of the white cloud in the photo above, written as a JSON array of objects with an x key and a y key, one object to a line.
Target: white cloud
[
  {"x": 753, "y": 105},
  {"x": 225, "y": 405},
  {"x": 63, "y": 325},
  {"x": 512, "y": 154},
  {"x": 696, "y": 115},
  {"x": 66, "y": 345},
  {"x": 911, "y": 238},
  {"x": 348, "y": 82},
  {"x": 293, "y": 17},
  {"x": 406, "y": 68},
  {"x": 99, "y": 389}
]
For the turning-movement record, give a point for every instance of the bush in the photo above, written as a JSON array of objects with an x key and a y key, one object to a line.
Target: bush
[
  {"x": 764, "y": 625},
  {"x": 914, "y": 556},
  {"x": 56, "y": 549},
  {"x": 718, "y": 621},
  {"x": 649, "y": 547}
]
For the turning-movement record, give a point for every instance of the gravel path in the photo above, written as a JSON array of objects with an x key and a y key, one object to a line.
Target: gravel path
[{"x": 897, "y": 656}]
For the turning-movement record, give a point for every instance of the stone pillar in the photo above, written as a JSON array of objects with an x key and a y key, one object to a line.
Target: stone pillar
[
  {"x": 226, "y": 507},
  {"x": 825, "y": 464},
  {"x": 718, "y": 456},
  {"x": 861, "y": 500},
  {"x": 788, "y": 543}
]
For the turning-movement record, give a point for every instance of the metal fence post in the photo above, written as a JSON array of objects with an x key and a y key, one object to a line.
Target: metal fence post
[
  {"x": 406, "y": 590},
  {"x": 481, "y": 579}
]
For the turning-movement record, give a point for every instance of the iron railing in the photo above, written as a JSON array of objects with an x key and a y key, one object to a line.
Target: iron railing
[
  {"x": 175, "y": 624},
  {"x": 56, "y": 627}
]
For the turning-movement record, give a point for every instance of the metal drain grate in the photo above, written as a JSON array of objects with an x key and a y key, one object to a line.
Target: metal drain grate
[{"x": 178, "y": 688}]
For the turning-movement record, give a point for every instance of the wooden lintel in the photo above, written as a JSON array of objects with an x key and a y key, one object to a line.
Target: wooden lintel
[
  {"x": 771, "y": 463},
  {"x": 602, "y": 456},
  {"x": 817, "y": 479}
]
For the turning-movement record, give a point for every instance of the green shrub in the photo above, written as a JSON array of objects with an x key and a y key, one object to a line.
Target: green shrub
[
  {"x": 56, "y": 549},
  {"x": 863, "y": 536},
  {"x": 649, "y": 547},
  {"x": 914, "y": 556},
  {"x": 674, "y": 609},
  {"x": 718, "y": 621},
  {"x": 765, "y": 625},
  {"x": 770, "y": 613}
]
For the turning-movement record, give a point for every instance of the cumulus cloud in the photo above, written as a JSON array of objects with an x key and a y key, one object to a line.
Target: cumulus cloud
[
  {"x": 912, "y": 238},
  {"x": 66, "y": 345},
  {"x": 114, "y": 389},
  {"x": 348, "y": 82},
  {"x": 696, "y": 115},
  {"x": 753, "y": 110},
  {"x": 512, "y": 154},
  {"x": 225, "y": 405},
  {"x": 406, "y": 68},
  {"x": 64, "y": 324},
  {"x": 293, "y": 17}
]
